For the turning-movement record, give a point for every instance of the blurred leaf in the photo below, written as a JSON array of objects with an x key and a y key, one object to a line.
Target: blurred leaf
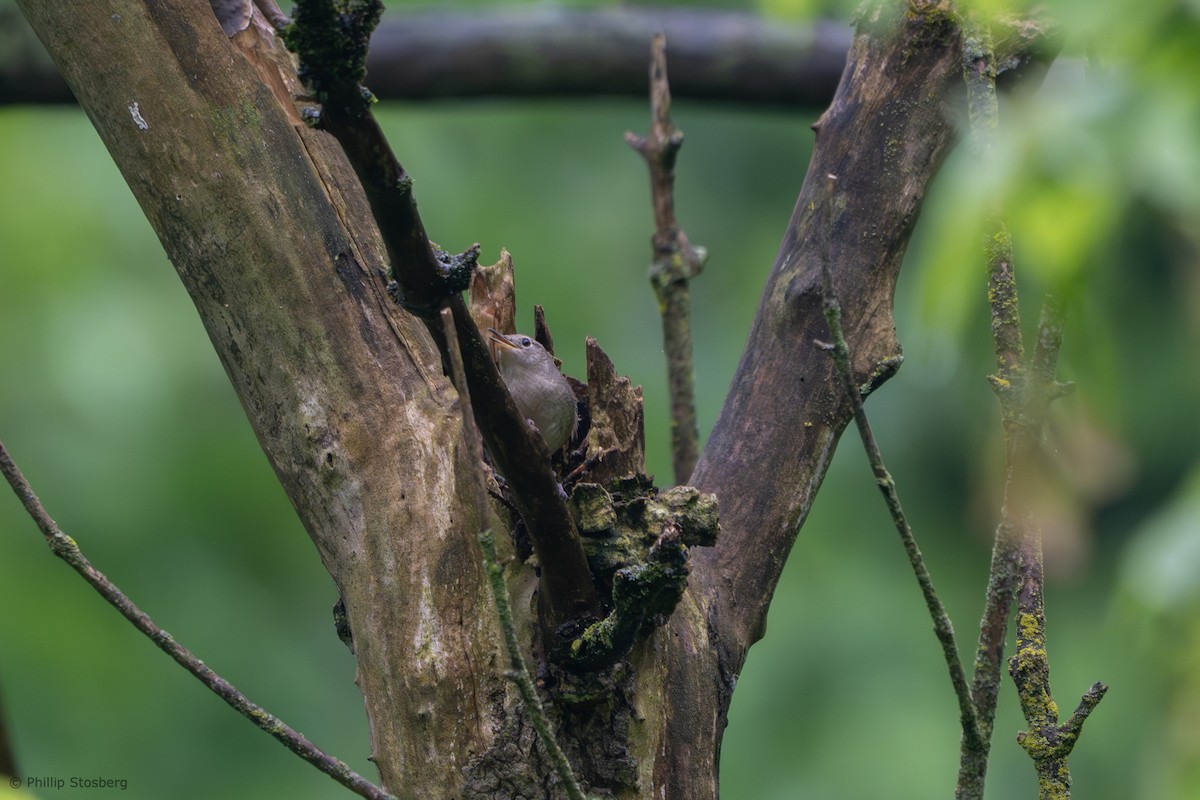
[{"x": 1162, "y": 565}]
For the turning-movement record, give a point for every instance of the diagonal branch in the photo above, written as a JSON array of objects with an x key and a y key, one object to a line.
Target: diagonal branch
[
  {"x": 333, "y": 63},
  {"x": 65, "y": 548},
  {"x": 942, "y": 627},
  {"x": 271, "y": 234},
  {"x": 884, "y": 136},
  {"x": 676, "y": 262},
  {"x": 518, "y": 672}
]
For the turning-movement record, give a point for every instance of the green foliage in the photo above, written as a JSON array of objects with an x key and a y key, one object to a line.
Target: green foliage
[{"x": 1110, "y": 129}]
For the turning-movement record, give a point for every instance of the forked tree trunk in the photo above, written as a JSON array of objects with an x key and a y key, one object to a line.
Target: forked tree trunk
[{"x": 270, "y": 233}]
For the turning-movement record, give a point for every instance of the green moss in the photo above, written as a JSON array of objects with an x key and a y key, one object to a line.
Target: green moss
[
  {"x": 936, "y": 20},
  {"x": 1027, "y": 624},
  {"x": 457, "y": 268},
  {"x": 331, "y": 38},
  {"x": 640, "y": 593},
  {"x": 592, "y": 508},
  {"x": 929, "y": 26},
  {"x": 1000, "y": 246},
  {"x": 636, "y": 540}
]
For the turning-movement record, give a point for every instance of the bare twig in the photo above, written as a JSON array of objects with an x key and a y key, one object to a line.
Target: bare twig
[
  {"x": 332, "y": 48},
  {"x": 1070, "y": 730},
  {"x": 1025, "y": 391},
  {"x": 676, "y": 262},
  {"x": 989, "y": 656},
  {"x": 518, "y": 672},
  {"x": 979, "y": 75},
  {"x": 942, "y": 626},
  {"x": 1046, "y": 742},
  {"x": 65, "y": 548}
]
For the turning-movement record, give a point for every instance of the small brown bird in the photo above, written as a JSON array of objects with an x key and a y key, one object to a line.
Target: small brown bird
[{"x": 540, "y": 391}]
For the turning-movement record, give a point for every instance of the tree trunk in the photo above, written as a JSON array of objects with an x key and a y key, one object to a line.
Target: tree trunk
[{"x": 270, "y": 233}]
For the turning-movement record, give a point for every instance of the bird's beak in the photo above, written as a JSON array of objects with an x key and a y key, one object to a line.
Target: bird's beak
[
  {"x": 496, "y": 337},
  {"x": 497, "y": 343}
]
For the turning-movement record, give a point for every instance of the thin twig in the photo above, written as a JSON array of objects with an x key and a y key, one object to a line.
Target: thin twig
[
  {"x": 518, "y": 673},
  {"x": 1049, "y": 342},
  {"x": 989, "y": 658},
  {"x": 979, "y": 75},
  {"x": 1070, "y": 730},
  {"x": 65, "y": 548},
  {"x": 1025, "y": 391},
  {"x": 676, "y": 262},
  {"x": 1046, "y": 742},
  {"x": 942, "y": 626}
]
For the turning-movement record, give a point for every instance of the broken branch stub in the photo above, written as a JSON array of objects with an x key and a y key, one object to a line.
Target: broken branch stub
[
  {"x": 616, "y": 445},
  {"x": 493, "y": 296}
]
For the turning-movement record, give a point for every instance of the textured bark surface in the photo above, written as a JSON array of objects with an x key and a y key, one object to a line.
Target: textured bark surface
[
  {"x": 883, "y": 137},
  {"x": 271, "y": 236},
  {"x": 270, "y": 233}
]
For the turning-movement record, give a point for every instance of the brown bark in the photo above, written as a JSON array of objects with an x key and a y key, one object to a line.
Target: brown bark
[
  {"x": 716, "y": 55},
  {"x": 884, "y": 136},
  {"x": 270, "y": 233}
]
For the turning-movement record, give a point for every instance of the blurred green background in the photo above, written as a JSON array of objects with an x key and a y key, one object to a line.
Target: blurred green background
[{"x": 114, "y": 404}]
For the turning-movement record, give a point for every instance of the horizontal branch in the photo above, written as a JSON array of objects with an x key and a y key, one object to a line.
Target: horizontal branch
[
  {"x": 715, "y": 55},
  {"x": 546, "y": 51},
  {"x": 65, "y": 548}
]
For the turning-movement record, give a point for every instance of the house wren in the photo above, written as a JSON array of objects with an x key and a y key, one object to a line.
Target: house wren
[{"x": 540, "y": 391}]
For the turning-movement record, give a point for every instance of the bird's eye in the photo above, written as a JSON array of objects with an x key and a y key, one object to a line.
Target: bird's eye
[{"x": 525, "y": 342}]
